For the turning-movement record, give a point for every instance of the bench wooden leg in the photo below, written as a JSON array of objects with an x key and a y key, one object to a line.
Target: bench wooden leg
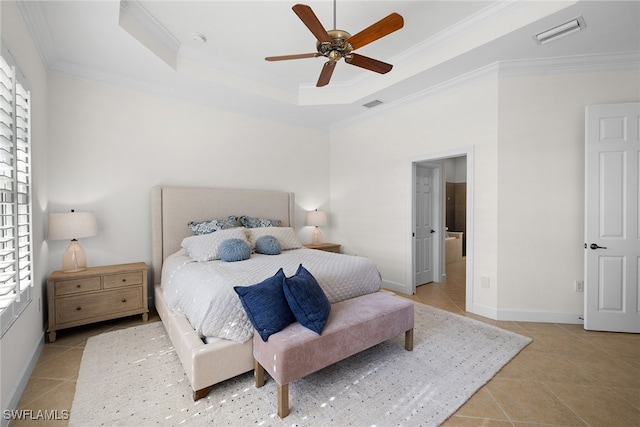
[
  {"x": 408, "y": 340},
  {"x": 283, "y": 400},
  {"x": 199, "y": 394},
  {"x": 258, "y": 373}
]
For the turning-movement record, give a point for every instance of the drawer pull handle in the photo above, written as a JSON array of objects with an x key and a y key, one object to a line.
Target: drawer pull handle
[
  {"x": 78, "y": 308},
  {"x": 124, "y": 300},
  {"x": 124, "y": 280},
  {"x": 78, "y": 286}
]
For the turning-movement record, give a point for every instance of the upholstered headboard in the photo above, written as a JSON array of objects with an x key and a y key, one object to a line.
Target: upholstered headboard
[{"x": 173, "y": 207}]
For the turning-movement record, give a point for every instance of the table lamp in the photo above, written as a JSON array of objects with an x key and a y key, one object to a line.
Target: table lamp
[
  {"x": 317, "y": 219},
  {"x": 72, "y": 225}
]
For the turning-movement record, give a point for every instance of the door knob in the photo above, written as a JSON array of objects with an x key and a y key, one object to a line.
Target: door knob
[
  {"x": 433, "y": 231},
  {"x": 594, "y": 246}
]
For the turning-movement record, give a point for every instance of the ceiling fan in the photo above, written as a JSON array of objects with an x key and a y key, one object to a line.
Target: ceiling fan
[{"x": 336, "y": 44}]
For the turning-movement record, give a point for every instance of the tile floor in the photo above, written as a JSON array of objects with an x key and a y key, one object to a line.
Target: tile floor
[{"x": 565, "y": 377}]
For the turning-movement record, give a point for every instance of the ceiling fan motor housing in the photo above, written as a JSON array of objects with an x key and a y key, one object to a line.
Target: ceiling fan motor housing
[{"x": 338, "y": 48}]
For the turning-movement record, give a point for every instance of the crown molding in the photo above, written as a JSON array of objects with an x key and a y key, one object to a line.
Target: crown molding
[
  {"x": 486, "y": 25},
  {"x": 39, "y": 28},
  {"x": 482, "y": 73},
  {"x": 144, "y": 27},
  {"x": 498, "y": 11},
  {"x": 530, "y": 67},
  {"x": 572, "y": 64},
  {"x": 140, "y": 18}
]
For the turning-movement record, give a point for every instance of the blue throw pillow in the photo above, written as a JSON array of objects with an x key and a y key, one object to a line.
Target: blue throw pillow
[
  {"x": 307, "y": 300},
  {"x": 268, "y": 245},
  {"x": 266, "y": 305},
  {"x": 232, "y": 250}
]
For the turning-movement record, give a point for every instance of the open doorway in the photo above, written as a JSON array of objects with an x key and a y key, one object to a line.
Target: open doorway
[
  {"x": 442, "y": 224},
  {"x": 455, "y": 170}
]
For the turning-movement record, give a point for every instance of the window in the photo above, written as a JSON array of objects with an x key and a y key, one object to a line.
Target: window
[{"x": 16, "y": 254}]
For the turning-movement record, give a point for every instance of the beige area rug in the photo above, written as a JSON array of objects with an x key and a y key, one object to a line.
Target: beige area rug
[{"x": 133, "y": 377}]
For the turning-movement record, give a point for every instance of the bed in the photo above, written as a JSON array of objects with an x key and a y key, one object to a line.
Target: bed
[{"x": 208, "y": 360}]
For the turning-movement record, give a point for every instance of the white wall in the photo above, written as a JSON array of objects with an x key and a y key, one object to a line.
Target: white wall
[
  {"x": 109, "y": 146},
  {"x": 528, "y": 136},
  {"x": 371, "y": 175},
  {"x": 455, "y": 169},
  {"x": 541, "y": 188},
  {"x": 20, "y": 346}
]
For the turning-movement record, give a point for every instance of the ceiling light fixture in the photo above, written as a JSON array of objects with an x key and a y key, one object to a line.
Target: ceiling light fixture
[{"x": 562, "y": 30}]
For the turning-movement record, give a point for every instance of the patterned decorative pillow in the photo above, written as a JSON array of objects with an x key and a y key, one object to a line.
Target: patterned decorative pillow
[
  {"x": 205, "y": 247},
  {"x": 266, "y": 305},
  {"x": 286, "y": 236},
  {"x": 268, "y": 245},
  {"x": 251, "y": 222},
  {"x": 206, "y": 227},
  {"x": 232, "y": 250},
  {"x": 307, "y": 300}
]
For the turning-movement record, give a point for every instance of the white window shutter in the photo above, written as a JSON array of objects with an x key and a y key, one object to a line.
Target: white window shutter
[{"x": 16, "y": 254}]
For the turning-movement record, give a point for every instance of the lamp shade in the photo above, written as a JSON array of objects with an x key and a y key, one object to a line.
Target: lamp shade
[
  {"x": 316, "y": 218},
  {"x": 72, "y": 225}
]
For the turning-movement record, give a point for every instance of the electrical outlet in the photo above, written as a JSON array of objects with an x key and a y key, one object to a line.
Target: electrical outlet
[{"x": 578, "y": 285}]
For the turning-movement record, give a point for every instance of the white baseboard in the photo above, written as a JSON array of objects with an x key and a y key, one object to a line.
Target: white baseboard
[
  {"x": 504, "y": 314},
  {"x": 484, "y": 311},
  {"x": 527, "y": 315},
  {"x": 18, "y": 391},
  {"x": 540, "y": 316},
  {"x": 397, "y": 287}
]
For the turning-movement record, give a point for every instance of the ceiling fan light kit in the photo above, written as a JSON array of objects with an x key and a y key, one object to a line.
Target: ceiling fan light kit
[{"x": 337, "y": 44}]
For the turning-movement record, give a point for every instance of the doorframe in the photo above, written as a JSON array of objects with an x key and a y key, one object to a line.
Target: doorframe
[{"x": 459, "y": 152}]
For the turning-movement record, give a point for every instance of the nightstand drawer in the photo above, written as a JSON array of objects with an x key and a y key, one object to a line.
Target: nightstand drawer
[
  {"x": 77, "y": 286},
  {"x": 123, "y": 279},
  {"x": 83, "y": 307},
  {"x": 98, "y": 293}
]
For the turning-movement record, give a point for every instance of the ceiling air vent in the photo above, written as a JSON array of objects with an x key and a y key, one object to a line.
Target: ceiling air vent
[
  {"x": 372, "y": 104},
  {"x": 562, "y": 30}
]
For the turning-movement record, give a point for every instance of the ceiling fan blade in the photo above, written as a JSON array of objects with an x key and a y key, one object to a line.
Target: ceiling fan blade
[
  {"x": 368, "y": 63},
  {"x": 376, "y": 31},
  {"x": 325, "y": 74},
  {"x": 305, "y": 13},
  {"x": 286, "y": 57}
]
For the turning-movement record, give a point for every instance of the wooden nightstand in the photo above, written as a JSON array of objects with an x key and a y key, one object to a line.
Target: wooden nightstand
[
  {"x": 328, "y": 247},
  {"x": 96, "y": 294}
]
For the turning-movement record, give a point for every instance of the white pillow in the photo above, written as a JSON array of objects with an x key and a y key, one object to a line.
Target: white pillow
[
  {"x": 286, "y": 236},
  {"x": 205, "y": 247}
]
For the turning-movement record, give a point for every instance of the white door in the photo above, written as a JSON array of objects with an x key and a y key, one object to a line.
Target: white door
[
  {"x": 612, "y": 223},
  {"x": 424, "y": 226}
]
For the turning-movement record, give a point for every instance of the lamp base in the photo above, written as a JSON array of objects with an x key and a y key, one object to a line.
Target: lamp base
[
  {"x": 74, "y": 258},
  {"x": 316, "y": 237}
]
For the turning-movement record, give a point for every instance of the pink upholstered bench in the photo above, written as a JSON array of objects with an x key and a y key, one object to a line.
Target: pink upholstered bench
[{"x": 353, "y": 326}]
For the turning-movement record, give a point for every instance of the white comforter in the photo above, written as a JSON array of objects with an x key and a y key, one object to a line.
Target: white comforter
[{"x": 203, "y": 291}]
